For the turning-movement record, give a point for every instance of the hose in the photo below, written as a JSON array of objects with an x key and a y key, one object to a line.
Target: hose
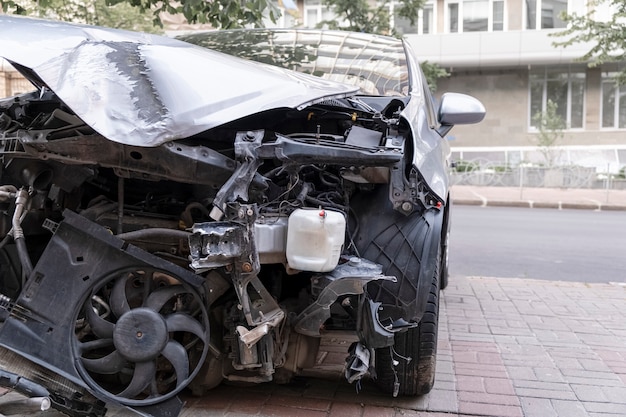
[
  {"x": 154, "y": 233},
  {"x": 187, "y": 216},
  {"x": 18, "y": 234}
]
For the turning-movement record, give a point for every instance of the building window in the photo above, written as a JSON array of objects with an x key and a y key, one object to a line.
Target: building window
[
  {"x": 453, "y": 17},
  {"x": 475, "y": 16},
  {"x": 315, "y": 13},
  {"x": 565, "y": 88},
  {"x": 427, "y": 19},
  {"x": 424, "y": 24},
  {"x": 498, "y": 16},
  {"x": 545, "y": 14},
  {"x": 613, "y": 104}
]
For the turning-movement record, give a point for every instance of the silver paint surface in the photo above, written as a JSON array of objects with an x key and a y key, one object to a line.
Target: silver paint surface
[{"x": 145, "y": 90}]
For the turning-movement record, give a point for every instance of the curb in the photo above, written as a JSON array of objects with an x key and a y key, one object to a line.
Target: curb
[{"x": 539, "y": 204}]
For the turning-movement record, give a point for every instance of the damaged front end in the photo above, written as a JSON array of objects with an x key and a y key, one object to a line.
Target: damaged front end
[
  {"x": 157, "y": 285},
  {"x": 131, "y": 271}
]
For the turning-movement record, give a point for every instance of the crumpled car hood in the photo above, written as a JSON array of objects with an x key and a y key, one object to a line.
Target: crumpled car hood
[{"x": 145, "y": 90}]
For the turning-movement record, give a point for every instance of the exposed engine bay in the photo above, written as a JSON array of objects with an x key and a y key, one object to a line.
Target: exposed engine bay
[{"x": 134, "y": 272}]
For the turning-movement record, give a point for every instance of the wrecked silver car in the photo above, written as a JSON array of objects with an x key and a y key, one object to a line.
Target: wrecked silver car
[{"x": 174, "y": 217}]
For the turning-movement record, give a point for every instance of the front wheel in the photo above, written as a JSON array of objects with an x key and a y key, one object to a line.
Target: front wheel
[{"x": 408, "y": 367}]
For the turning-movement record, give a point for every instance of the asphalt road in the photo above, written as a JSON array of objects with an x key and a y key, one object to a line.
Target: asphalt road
[{"x": 564, "y": 245}]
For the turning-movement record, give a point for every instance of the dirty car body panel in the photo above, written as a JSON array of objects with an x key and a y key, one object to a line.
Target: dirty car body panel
[{"x": 174, "y": 217}]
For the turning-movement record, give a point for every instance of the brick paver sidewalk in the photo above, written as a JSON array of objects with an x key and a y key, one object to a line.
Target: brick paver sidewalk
[
  {"x": 537, "y": 348},
  {"x": 507, "y": 347}
]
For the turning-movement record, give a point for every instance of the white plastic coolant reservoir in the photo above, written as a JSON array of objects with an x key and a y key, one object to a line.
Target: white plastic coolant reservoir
[{"x": 314, "y": 239}]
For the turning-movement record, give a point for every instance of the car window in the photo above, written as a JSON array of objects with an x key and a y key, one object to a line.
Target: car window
[{"x": 375, "y": 64}]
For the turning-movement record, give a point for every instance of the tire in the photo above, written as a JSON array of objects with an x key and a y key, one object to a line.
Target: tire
[{"x": 414, "y": 376}]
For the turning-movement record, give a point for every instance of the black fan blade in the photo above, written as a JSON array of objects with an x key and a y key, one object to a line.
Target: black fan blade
[
  {"x": 100, "y": 327},
  {"x": 160, "y": 296},
  {"x": 181, "y": 322},
  {"x": 106, "y": 365},
  {"x": 144, "y": 374},
  {"x": 177, "y": 355},
  {"x": 95, "y": 344},
  {"x": 118, "y": 301}
]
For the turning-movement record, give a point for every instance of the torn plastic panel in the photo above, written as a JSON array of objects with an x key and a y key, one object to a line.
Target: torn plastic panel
[{"x": 349, "y": 278}]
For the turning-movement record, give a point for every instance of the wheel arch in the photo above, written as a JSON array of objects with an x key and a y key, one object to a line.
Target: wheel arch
[
  {"x": 406, "y": 246},
  {"x": 445, "y": 237}
]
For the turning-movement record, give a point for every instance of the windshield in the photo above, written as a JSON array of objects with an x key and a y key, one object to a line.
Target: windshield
[{"x": 375, "y": 64}]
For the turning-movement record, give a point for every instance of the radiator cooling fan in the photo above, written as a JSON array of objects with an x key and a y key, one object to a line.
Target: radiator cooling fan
[{"x": 141, "y": 337}]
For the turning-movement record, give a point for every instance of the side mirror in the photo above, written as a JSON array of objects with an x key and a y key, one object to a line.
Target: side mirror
[{"x": 458, "y": 109}]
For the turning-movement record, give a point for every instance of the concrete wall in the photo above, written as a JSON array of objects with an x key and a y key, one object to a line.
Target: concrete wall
[{"x": 505, "y": 96}]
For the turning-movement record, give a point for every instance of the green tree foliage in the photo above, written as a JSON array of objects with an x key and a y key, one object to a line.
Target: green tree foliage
[
  {"x": 225, "y": 14},
  {"x": 358, "y": 16},
  {"x": 365, "y": 16},
  {"x": 550, "y": 126},
  {"x": 92, "y": 12},
  {"x": 433, "y": 72},
  {"x": 606, "y": 37}
]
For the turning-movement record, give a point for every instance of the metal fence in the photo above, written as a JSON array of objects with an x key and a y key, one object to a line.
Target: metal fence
[{"x": 602, "y": 167}]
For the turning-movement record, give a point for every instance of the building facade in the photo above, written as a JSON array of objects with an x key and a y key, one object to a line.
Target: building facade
[{"x": 503, "y": 53}]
